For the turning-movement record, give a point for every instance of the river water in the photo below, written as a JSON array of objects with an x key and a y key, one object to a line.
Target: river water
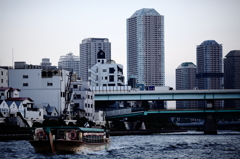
[{"x": 190, "y": 144}]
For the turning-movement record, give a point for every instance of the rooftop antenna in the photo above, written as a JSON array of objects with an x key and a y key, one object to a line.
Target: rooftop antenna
[{"x": 12, "y": 58}]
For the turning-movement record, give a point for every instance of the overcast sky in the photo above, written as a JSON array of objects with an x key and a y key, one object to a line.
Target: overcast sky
[{"x": 35, "y": 29}]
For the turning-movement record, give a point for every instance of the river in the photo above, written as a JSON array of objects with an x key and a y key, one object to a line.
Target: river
[{"x": 190, "y": 144}]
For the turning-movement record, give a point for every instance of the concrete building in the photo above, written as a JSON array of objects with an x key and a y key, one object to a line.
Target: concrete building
[
  {"x": 88, "y": 53},
  {"x": 186, "y": 80},
  {"x": 145, "y": 47},
  {"x": 43, "y": 86},
  {"x": 70, "y": 62},
  {"x": 3, "y": 76},
  {"x": 84, "y": 105},
  {"x": 209, "y": 68},
  {"x": 232, "y": 76},
  {"x": 106, "y": 72}
]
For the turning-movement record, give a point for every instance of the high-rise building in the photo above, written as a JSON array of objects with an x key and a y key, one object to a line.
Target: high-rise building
[
  {"x": 209, "y": 68},
  {"x": 88, "y": 53},
  {"x": 186, "y": 80},
  {"x": 70, "y": 62},
  {"x": 145, "y": 47},
  {"x": 232, "y": 76},
  {"x": 45, "y": 63}
]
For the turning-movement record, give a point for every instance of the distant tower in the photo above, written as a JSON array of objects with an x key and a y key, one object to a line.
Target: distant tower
[
  {"x": 186, "y": 80},
  {"x": 88, "y": 53},
  {"x": 69, "y": 62},
  {"x": 45, "y": 63},
  {"x": 232, "y": 76},
  {"x": 209, "y": 68},
  {"x": 145, "y": 47}
]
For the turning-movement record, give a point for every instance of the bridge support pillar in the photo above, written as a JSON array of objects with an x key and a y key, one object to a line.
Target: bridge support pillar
[{"x": 210, "y": 124}]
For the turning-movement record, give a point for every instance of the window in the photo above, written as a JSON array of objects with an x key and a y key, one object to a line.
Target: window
[
  {"x": 111, "y": 70},
  {"x": 49, "y": 84},
  {"x": 104, "y": 70},
  {"x": 1, "y": 72},
  {"x": 1, "y": 80},
  {"x": 86, "y": 105},
  {"x": 25, "y": 76},
  {"x": 111, "y": 78},
  {"x": 78, "y": 96},
  {"x": 25, "y": 84},
  {"x": 75, "y": 86}
]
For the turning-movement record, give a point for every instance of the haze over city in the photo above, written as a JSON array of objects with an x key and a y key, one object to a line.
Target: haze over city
[{"x": 32, "y": 30}]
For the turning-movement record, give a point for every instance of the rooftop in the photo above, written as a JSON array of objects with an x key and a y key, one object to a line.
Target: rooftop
[{"x": 145, "y": 11}]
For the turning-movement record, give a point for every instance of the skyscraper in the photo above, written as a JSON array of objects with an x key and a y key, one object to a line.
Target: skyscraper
[
  {"x": 186, "y": 80},
  {"x": 145, "y": 47},
  {"x": 88, "y": 53},
  {"x": 209, "y": 67},
  {"x": 232, "y": 75},
  {"x": 69, "y": 62}
]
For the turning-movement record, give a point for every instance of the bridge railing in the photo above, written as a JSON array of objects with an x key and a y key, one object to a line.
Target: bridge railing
[{"x": 118, "y": 112}]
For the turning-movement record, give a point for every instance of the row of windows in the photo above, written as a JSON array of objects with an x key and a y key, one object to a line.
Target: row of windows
[{"x": 26, "y": 84}]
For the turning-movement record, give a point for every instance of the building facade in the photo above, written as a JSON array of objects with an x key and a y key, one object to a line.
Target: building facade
[
  {"x": 43, "y": 86},
  {"x": 3, "y": 77},
  {"x": 70, "y": 62},
  {"x": 232, "y": 76},
  {"x": 209, "y": 73},
  {"x": 88, "y": 53},
  {"x": 106, "y": 72},
  {"x": 186, "y": 80},
  {"x": 145, "y": 47}
]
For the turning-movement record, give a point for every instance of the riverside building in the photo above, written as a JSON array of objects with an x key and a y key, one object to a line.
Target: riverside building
[
  {"x": 145, "y": 47},
  {"x": 209, "y": 73},
  {"x": 186, "y": 80},
  {"x": 232, "y": 76}
]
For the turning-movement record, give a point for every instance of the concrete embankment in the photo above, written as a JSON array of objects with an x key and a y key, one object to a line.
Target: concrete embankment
[
  {"x": 142, "y": 132},
  {"x": 15, "y": 135}
]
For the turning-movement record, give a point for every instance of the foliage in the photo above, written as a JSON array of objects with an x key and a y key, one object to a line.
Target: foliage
[
  {"x": 37, "y": 124},
  {"x": 81, "y": 121},
  {"x": 51, "y": 122}
]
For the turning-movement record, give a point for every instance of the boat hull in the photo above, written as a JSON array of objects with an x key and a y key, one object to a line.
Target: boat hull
[
  {"x": 41, "y": 146},
  {"x": 66, "y": 146}
]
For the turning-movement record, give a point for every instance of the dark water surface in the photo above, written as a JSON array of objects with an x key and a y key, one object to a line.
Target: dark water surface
[{"x": 192, "y": 145}]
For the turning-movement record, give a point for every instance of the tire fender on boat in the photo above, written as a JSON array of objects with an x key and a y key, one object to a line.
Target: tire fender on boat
[
  {"x": 72, "y": 137},
  {"x": 41, "y": 134}
]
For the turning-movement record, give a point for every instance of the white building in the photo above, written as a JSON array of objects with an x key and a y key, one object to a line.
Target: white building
[
  {"x": 3, "y": 77},
  {"x": 88, "y": 53},
  {"x": 43, "y": 86},
  {"x": 70, "y": 62},
  {"x": 83, "y": 100},
  {"x": 106, "y": 72}
]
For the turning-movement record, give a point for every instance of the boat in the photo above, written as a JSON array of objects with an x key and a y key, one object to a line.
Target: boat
[{"x": 69, "y": 139}]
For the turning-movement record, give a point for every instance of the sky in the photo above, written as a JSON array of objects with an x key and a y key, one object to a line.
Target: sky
[{"x": 34, "y": 29}]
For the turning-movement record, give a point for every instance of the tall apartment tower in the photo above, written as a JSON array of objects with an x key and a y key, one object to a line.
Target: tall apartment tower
[
  {"x": 70, "y": 62},
  {"x": 88, "y": 53},
  {"x": 186, "y": 80},
  {"x": 232, "y": 76},
  {"x": 145, "y": 47},
  {"x": 209, "y": 68}
]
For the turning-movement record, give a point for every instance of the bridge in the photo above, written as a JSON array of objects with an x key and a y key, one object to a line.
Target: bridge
[
  {"x": 210, "y": 114},
  {"x": 168, "y": 95}
]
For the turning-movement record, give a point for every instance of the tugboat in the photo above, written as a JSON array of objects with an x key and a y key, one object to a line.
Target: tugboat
[{"x": 69, "y": 139}]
